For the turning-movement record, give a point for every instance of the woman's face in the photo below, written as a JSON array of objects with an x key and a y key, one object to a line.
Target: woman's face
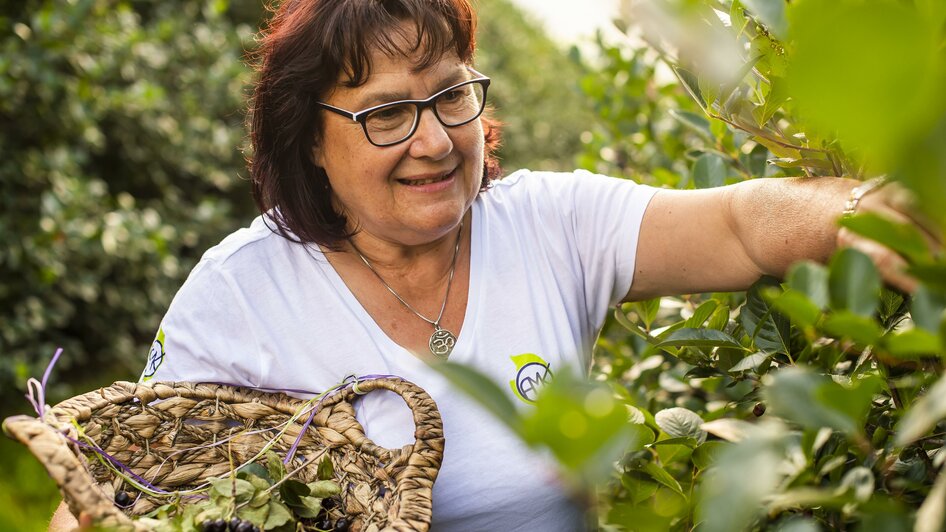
[{"x": 410, "y": 193}]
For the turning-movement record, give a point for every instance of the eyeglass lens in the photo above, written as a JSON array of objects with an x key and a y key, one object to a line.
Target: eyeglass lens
[{"x": 396, "y": 122}]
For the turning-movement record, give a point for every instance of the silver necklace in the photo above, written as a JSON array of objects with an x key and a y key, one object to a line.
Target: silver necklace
[{"x": 441, "y": 341}]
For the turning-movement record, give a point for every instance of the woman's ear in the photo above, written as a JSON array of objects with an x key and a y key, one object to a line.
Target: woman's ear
[{"x": 315, "y": 154}]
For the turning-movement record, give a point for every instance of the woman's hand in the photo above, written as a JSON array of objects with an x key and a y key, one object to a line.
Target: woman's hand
[
  {"x": 892, "y": 202},
  {"x": 63, "y": 521}
]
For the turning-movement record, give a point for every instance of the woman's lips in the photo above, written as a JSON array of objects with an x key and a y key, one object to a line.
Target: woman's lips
[{"x": 427, "y": 180}]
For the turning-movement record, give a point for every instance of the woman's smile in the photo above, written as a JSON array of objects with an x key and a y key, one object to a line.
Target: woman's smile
[{"x": 429, "y": 182}]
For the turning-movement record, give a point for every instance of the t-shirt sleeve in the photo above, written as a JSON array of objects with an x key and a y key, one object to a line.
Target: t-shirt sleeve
[
  {"x": 603, "y": 218},
  {"x": 205, "y": 335}
]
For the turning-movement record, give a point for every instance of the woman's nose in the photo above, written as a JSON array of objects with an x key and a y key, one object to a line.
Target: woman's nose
[{"x": 431, "y": 139}]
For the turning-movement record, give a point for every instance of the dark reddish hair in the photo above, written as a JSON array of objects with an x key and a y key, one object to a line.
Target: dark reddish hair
[{"x": 304, "y": 51}]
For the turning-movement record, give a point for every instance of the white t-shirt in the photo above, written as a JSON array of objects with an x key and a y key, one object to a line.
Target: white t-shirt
[{"x": 550, "y": 253}]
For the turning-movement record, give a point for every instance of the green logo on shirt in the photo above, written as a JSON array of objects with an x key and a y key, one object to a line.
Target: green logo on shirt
[
  {"x": 532, "y": 373},
  {"x": 155, "y": 356}
]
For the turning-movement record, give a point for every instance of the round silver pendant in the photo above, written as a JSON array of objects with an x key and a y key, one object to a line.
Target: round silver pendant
[{"x": 441, "y": 343}]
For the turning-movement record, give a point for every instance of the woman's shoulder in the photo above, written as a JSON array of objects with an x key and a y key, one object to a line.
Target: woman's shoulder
[
  {"x": 530, "y": 182},
  {"x": 258, "y": 237}
]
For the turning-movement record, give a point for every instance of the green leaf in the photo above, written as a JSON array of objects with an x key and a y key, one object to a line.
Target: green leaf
[
  {"x": 709, "y": 171},
  {"x": 750, "y": 362},
  {"x": 647, "y": 310},
  {"x": 322, "y": 489},
  {"x": 483, "y": 390},
  {"x": 923, "y": 415},
  {"x": 292, "y": 491},
  {"x": 797, "y": 307},
  {"x": 694, "y": 121},
  {"x": 699, "y": 338},
  {"x": 306, "y": 507},
  {"x": 912, "y": 343},
  {"x": 720, "y": 318},
  {"x": 928, "y": 309},
  {"x": 890, "y": 304},
  {"x": 679, "y": 422},
  {"x": 255, "y": 514},
  {"x": 279, "y": 515},
  {"x": 814, "y": 401},
  {"x": 853, "y": 282},
  {"x": 701, "y": 313},
  {"x": 691, "y": 84},
  {"x": 326, "y": 470},
  {"x": 277, "y": 470},
  {"x": 851, "y": 65},
  {"x": 641, "y": 437},
  {"x": 254, "y": 469},
  {"x": 863, "y": 331},
  {"x": 788, "y": 162},
  {"x": 769, "y": 329},
  {"x": 660, "y": 475},
  {"x": 811, "y": 279},
  {"x": 625, "y": 322},
  {"x": 669, "y": 503},
  {"x": 771, "y": 13},
  {"x": 756, "y": 160},
  {"x": 236, "y": 488},
  {"x": 582, "y": 425},
  {"x": 904, "y": 238},
  {"x": 933, "y": 275},
  {"x": 732, "y": 492},
  {"x": 706, "y": 454},
  {"x": 774, "y": 100}
]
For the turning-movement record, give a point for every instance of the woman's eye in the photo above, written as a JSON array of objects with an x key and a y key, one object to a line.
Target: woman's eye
[
  {"x": 389, "y": 114},
  {"x": 452, "y": 95}
]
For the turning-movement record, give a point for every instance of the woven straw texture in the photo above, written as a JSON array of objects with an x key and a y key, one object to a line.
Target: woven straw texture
[{"x": 154, "y": 430}]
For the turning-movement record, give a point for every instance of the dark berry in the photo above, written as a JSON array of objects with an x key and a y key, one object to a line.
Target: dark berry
[
  {"x": 122, "y": 498},
  {"x": 341, "y": 525},
  {"x": 213, "y": 525},
  {"x": 245, "y": 526},
  {"x": 234, "y": 523},
  {"x": 328, "y": 504},
  {"x": 382, "y": 491},
  {"x": 758, "y": 409}
]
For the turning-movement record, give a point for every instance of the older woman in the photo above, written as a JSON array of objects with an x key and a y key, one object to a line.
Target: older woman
[{"x": 384, "y": 244}]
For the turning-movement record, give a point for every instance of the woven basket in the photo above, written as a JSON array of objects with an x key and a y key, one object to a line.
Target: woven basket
[{"x": 142, "y": 424}]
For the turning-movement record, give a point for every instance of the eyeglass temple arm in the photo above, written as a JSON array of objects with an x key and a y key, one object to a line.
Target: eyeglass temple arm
[{"x": 336, "y": 110}]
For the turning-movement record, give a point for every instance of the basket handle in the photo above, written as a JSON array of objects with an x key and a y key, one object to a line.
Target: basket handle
[
  {"x": 68, "y": 472},
  {"x": 428, "y": 427}
]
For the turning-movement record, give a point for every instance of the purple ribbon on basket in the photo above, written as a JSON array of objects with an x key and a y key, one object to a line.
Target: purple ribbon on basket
[
  {"x": 346, "y": 383},
  {"x": 37, "y": 389}
]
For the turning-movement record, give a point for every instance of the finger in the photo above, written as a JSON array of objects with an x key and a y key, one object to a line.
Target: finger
[
  {"x": 891, "y": 266},
  {"x": 898, "y": 203},
  {"x": 85, "y": 521}
]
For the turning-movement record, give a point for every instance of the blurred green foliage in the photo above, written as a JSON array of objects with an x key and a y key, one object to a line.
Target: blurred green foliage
[
  {"x": 122, "y": 128},
  {"x": 814, "y": 403},
  {"x": 122, "y": 134}
]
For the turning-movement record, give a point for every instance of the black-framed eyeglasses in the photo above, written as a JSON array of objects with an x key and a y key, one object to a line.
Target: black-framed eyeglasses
[{"x": 392, "y": 123}]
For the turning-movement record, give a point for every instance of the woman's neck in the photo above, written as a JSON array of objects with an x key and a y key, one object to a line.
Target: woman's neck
[{"x": 429, "y": 262}]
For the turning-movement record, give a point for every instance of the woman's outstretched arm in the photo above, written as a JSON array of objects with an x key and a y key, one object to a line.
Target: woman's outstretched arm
[{"x": 723, "y": 239}]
